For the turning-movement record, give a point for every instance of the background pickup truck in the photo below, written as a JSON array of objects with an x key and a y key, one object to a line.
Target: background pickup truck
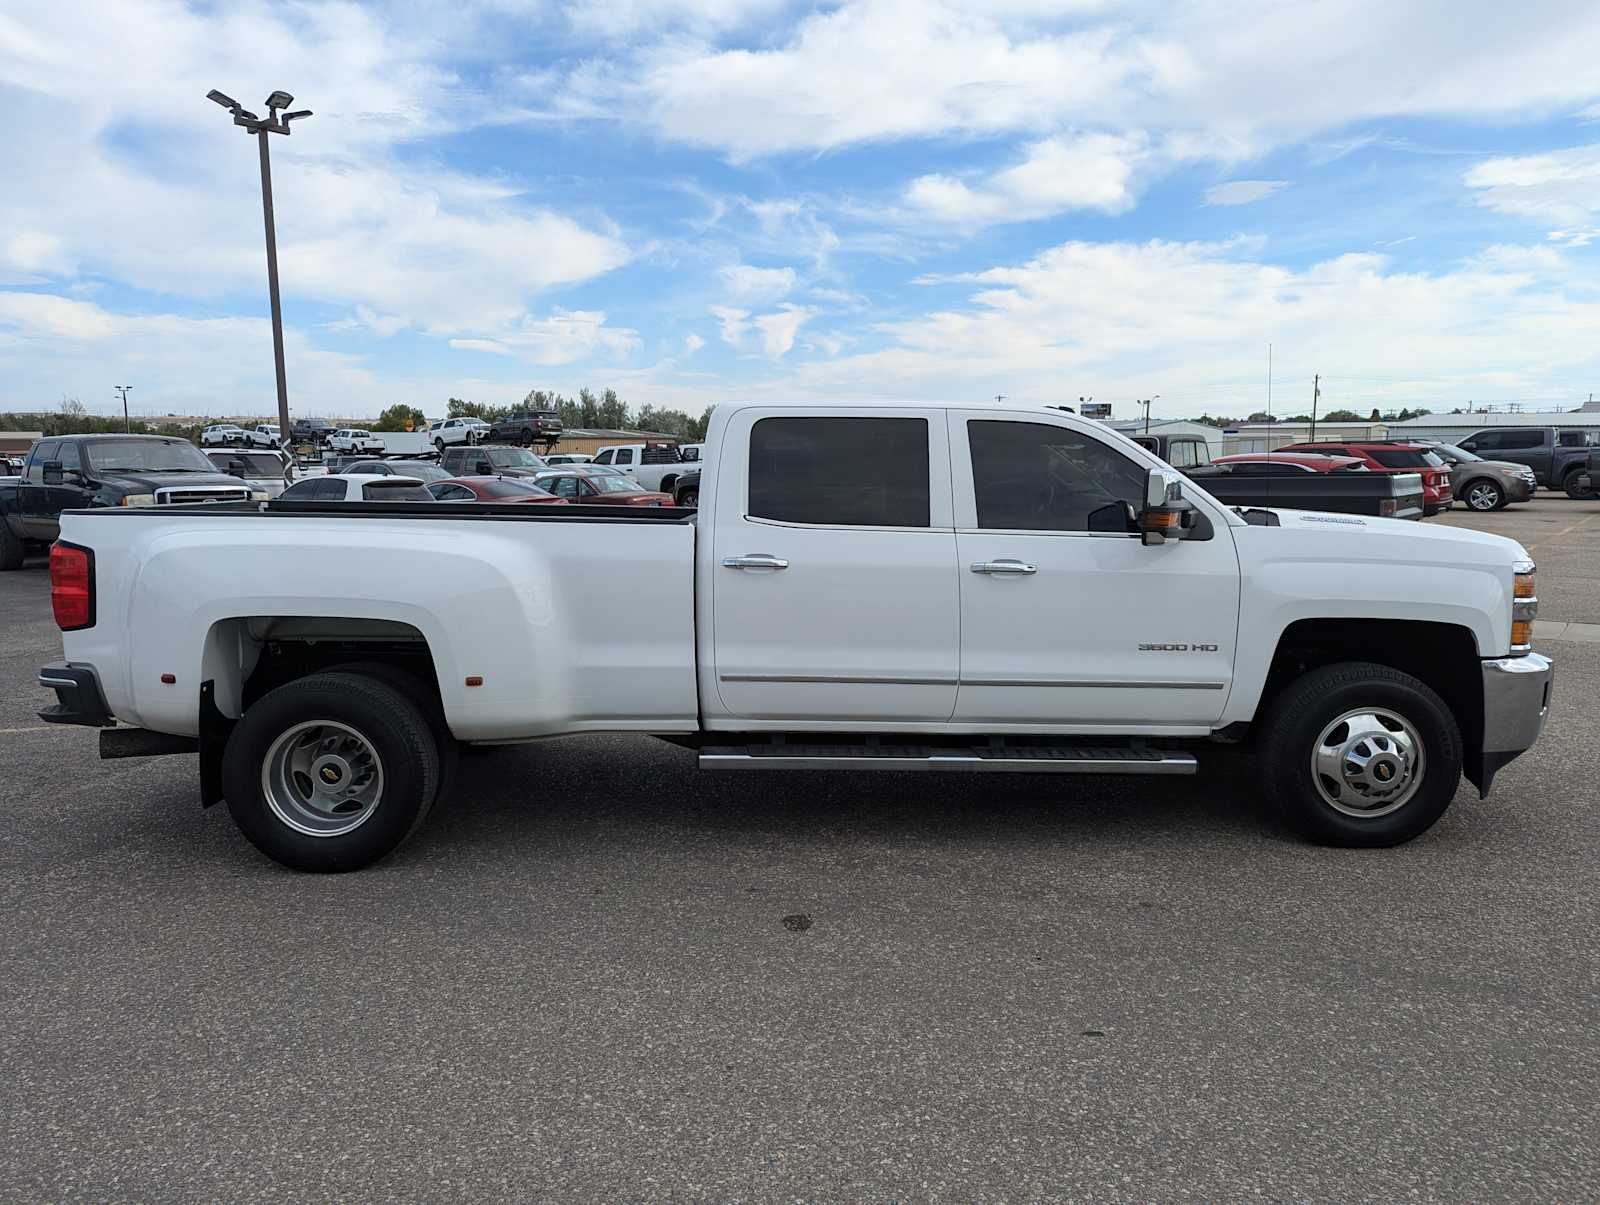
[
  {"x": 1558, "y": 456},
  {"x": 1293, "y": 481},
  {"x": 899, "y": 587},
  {"x": 72, "y": 471},
  {"x": 656, "y": 466}
]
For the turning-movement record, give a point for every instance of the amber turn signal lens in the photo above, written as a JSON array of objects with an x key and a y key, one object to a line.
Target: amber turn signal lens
[
  {"x": 1522, "y": 633},
  {"x": 1163, "y": 520},
  {"x": 1522, "y": 586}
]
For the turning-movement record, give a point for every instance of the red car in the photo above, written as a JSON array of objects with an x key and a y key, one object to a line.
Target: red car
[
  {"x": 491, "y": 489},
  {"x": 592, "y": 485},
  {"x": 1395, "y": 458},
  {"x": 1292, "y": 462}
]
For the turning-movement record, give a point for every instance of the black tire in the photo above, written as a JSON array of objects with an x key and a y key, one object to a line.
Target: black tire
[
  {"x": 398, "y": 732},
  {"x": 12, "y": 549},
  {"x": 1483, "y": 495},
  {"x": 1570, "y": 484},
  {"x": 691, "y": 497},
  {"x": 526, "y": 439},
  {"x": 438, "y": 446},
  {"x": 1309, "y": 706},
  {"x": 421, "y": 693}
]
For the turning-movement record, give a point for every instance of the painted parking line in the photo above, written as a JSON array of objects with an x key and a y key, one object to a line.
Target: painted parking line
[{"x": 1554, "y": 629}]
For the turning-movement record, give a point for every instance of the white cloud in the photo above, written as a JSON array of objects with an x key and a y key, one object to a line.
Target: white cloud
[
  {"x": 779, "y": 328},
  {"x": 562, "y": 338},
  {"x": 692, "y": 343},
  {"x": 734, "y": 323},
  {"x": 619, "y": 18},
  {"x": 1190, "y": 321},
  {"x": 749, "y": 285},
  {"x": 131, "y": 174},
  {"x": 1243, "y": 192},
  {"x": 1091, "y": 171},
  {"x": 1561, "y": 187}
]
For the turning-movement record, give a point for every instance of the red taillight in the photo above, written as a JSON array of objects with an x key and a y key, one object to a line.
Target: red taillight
[{"x": 72, "y": 586}]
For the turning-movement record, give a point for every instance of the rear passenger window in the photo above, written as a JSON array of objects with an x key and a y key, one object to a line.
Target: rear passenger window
[
  {"x": 624, "y": 456},
  {"x": 1520, "y": 441},
  {"x": 841, "y": 472},
  {"x": 1034, "y": 477}
]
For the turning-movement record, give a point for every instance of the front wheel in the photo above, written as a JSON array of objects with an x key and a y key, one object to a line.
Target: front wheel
[
  {"x": 1361, "y": 755},
  {"x": 1570, "y": 484},
  {"x": 438, "y": 446},
  {"x": 1484, "y": 495},
  {"x": 331, "y": 772},
  {"x": 691, "y": 497}
]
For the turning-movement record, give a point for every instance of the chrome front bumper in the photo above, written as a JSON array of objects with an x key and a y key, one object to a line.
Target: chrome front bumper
[{"x": 1516, "y": 699}]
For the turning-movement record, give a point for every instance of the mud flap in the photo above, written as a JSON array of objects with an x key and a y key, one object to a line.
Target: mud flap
[{"x": 215, "y": 729}]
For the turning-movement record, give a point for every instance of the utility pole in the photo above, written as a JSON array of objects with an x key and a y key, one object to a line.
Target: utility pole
[
  {"x": 275, "y": 122},
  {"x": 1316, "y": 396},
  {"x": 123, "y": 390}
]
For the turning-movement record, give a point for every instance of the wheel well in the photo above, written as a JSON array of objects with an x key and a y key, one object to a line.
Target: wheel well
[
  {"x": 280, "y": 648},
  {"x": 1443, "y": 655},
  {"x": 668, "y": 483}
]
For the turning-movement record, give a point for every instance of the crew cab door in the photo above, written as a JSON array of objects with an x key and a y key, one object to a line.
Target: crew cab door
[
  {"x": 1067, "y": 617},
  {"x": 1521, "y": 445},
  {"x": 833, "y": 571}
]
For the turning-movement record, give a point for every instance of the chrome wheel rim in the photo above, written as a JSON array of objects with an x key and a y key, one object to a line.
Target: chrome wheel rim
[
  {"x": 322, "y": 778},
  {"x": 1368, "y": 762},
  {"x": 1482, "y": 497}
]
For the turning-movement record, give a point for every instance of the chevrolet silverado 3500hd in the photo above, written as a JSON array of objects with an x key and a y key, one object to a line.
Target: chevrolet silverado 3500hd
[{"x": 904, "y": 587}]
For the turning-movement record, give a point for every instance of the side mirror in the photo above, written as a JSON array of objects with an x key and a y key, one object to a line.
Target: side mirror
[
  {"x": 236, "y": 468},
  {"x": 52, "y": 472},
  {"x": 1165, "y": 513}
]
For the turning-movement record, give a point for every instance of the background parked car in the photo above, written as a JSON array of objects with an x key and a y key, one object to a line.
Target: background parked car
[
  {"x": 448, "y": 431},
  {"x": 1180, "y": 451},
  {"x": 568, "y": 458},
  {"x": 1395, "y": 458},
  {"x": 420, "y": 469},
  {"x": 1485, "y": 484},
  {"x": 222, "y": 435},
  {"x": 356, "y": 487},
  {"x": 342, "y": 463},
  {"x": 491, "y": 489},
  {"x": 525, "y": 427},
  {"x": 687, "y": 491},
  {"x": 354, "y": 439},
  {"x": 585, "y": 485},
  {"x": 261, "y": 471},
  {"x": 490, "y": 461},
  {"x": 1558, "y": 456}
]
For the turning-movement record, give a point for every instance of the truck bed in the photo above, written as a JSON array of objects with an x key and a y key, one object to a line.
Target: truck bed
[{"x": 570, "y": 618}]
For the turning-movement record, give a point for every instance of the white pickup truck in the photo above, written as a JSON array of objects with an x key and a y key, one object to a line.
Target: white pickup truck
[
  {"x": 654, "y": 466},
  {"x": 900, "y": 587}
]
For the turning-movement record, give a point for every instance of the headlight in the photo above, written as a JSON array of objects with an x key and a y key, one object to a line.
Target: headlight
[
  {"x": 259, "y": 495},
  {"x": 138, "y": 500},
  {"x": 1524, "y": 607}
]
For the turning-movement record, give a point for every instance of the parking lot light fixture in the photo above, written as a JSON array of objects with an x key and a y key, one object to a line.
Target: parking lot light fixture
[{"x": 275, "y": 122}]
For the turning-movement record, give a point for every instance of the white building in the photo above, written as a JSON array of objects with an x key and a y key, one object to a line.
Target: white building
[
  {"x": 1458, "y": 426},
  {"x": 1267, "y": 437}
]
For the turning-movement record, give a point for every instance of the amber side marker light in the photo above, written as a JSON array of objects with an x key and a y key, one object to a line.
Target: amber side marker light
[{"x": 475, "y": 680}]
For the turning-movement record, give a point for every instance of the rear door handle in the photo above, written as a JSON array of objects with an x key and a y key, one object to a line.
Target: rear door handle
[
  {"x": 1004, "y": 565},
  {"x": 754, "y": 560}
]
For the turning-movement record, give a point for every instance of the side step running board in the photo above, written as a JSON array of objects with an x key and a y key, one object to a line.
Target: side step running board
[{"x": 1048, "y": 759}]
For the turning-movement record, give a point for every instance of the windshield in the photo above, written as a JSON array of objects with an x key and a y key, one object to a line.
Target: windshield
[
  {"x": 147, "y": 456},
  {"x": 512, "y": 458},
  {"x": 1406, "y": 458},
  {"x": 415, "y": 468},
  {"x": 394, "y": 491},
  {"x": 501, "y": 487},
  {"x": 257, "y": 464},
  {"x": 615, "y": 483},
  {"x": 1453, "y": 453}
]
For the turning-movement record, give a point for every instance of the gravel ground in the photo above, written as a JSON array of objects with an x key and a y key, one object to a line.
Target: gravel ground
[{"x": 599, "y": 974}]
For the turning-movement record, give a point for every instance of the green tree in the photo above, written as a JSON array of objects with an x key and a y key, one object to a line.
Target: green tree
[
  {"x": 396, "y": 417},
  {"x": 1340, "y": 416},
  {"x": 1261, "y": 416}
]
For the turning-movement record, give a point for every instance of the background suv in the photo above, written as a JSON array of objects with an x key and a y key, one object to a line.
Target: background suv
[
  {"x": 1484, "y": 484},
  {"x": 1383, "y": 457}
]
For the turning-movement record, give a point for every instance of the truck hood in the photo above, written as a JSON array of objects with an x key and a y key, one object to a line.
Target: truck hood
[
  {"x": 150, "y": 482},
  {"x": 1369, "y": 537}
]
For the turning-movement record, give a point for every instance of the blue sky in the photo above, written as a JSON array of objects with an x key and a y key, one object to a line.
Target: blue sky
[{"x": 695, "y": 200}]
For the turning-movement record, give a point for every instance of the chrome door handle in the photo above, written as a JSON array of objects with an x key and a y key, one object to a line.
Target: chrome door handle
[
  {"x": 754, "y": 560},
  {"x": 1006, "y": 565}
]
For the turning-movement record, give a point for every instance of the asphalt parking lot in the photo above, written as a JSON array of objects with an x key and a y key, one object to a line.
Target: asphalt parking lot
[{"x": 599, "y": 974}]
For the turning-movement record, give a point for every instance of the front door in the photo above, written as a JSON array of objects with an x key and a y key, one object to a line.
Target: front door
[
  {"x": 833, "y": 577},
  {"x": 1067, "y": 618}
]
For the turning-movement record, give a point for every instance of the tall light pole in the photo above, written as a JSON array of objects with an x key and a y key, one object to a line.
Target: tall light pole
[
  {"x": 1145, "y": 402},
  {"x": 275, "y": 122},
  {"x": 123, "y": 390}
]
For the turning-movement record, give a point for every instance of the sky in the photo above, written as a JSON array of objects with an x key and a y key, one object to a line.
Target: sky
[{"x": 692, "y": 201}]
